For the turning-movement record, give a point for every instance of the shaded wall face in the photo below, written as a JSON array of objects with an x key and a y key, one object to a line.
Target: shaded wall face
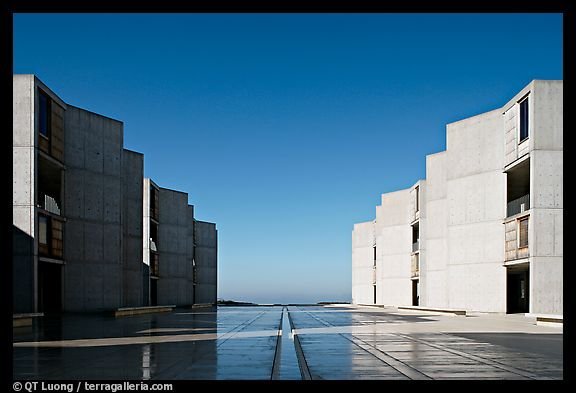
[
  {"x": 132, "y": 225},
  {"x": 93, "y": 202},
  {"x": 175, "y": 271},
  {"x": 206, "y": 257}
]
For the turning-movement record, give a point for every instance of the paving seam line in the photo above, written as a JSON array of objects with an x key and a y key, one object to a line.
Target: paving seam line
[
  {"x": 477, "y": 358},
  {"x": 230, "y": 334},
  {"x": 304, "y": 370},
  {"x": 403, "y": 368},
  {"x": 278, "y": 350}
]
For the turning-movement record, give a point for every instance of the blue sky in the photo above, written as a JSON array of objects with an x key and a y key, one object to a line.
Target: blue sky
[{"x": 285, "y": 128}]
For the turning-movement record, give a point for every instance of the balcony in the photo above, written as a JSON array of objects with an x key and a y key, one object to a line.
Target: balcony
[
  {"x": 518, "y": 205},
  {"x": 49, "y": 204},
  {"x": 416, "y": 246}
]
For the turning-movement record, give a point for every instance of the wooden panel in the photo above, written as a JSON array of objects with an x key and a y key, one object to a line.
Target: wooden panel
[
  {"x": 44, "y": 144},
  {"x": 57, "y": 132},
  {"x": 510, "y": 239},
  {"x": 57, "y": 238}
]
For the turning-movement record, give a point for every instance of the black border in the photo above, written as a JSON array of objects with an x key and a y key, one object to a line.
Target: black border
[{"x": 299, "y": 6}]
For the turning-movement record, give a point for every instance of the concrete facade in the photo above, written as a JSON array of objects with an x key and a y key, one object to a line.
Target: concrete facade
[
  {"x": 490, "y": 216},
  {"x": 78, "y": 205},
  {"x": 205, "y": 261},
  {"x": 181, "y": 252}
]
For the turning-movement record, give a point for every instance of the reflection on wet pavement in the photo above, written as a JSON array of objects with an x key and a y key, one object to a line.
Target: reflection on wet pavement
[{"x": 258, "y": 343}]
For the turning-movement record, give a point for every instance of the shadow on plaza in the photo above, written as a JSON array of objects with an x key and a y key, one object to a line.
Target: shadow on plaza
[{"x": 548, "y": 345}]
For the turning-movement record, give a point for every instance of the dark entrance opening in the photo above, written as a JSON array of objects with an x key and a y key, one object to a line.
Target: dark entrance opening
[
  {"x": 153, "y": 292},
  {"x": 49, "y": 287},
  {"x": 415, "y": 295},
  {"x": 517, "y": 290}
]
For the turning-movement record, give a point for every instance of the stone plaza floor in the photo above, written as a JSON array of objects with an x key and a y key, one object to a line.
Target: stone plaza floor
[{"x": 287, "y": 343}]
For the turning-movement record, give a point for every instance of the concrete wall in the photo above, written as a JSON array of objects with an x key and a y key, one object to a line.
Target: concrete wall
[
  {"x": 433, "y": 274},
  {"x": 206, "y": 256},
  {"x": 23, "y": 193},
  {"x": 93, "y": 200},
  {"x": 393, "y": 249},
  {"x": 363, "y": 242},
  {"x": 132, "y": 228},
  {"x": 546, "y": 194},
  {"x": 476, "y": 202},
  {"x": 175, "y": 283}
]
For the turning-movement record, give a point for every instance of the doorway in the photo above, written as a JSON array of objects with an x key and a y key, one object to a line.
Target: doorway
[
  {"x": 517, "y": 290},
  {"x": 49, "y": 287},
  {"x": 415, "y": 294},
  {"x": 153, "y": 291}
]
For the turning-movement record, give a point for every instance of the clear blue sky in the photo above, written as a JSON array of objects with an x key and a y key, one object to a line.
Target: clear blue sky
[{"x": 285, "y": 128}]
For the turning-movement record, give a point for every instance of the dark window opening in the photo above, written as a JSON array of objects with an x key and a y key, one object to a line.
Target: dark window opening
[
  {"x": 518, "y": 290},
  {"x": 415, "y": 293},
  {"x": 415, "y": 237},
  {"x": 374, "y": 294},
  {"x": 524, "y": 120},
  {"x": 374, "y": 248},
  {"x": 44, "y": 114},
  {"x": 49, "y": 287},
  {"x": 154, "y": 213},
  {"x": 417, "y": 192}
]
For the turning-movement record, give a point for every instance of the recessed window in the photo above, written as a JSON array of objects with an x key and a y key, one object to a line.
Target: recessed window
[
  {"x": 523, "y": 232},
  {"x": 43, "y": 230},
  {"x": 524, "y": 120},
  {"x": 417, "y": 198},
  {"x": 44, "y": 115}
]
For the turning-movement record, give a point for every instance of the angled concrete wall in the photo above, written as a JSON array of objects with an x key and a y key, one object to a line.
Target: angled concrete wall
[
  {"x": 476, "y": 202},
  {"x": 434, "y": 273},
  {"x": 546, "y": 192},
  {"x": 175, "y": 283},
  {"x": 132, "y": 228},
  {"x": 393, "y": 249},
  {"x": 93, "y": 199},
  {"x": 23, "y": 193},
  {"x": 206, "y": 256},
  {"x": 363, "y": 270}
]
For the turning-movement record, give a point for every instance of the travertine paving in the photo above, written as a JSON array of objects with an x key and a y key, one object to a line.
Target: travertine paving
[{"x": 294, "y": 342}]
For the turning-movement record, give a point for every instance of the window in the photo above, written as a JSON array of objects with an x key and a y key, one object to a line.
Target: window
[
  {"x": 44, "y": 115},
  {"x": 523, "y": 233},
  {"x": 43, "y": 230},
  {"x": 374, "y": 255},
  {"x": 417, "y": 198},
  {"x": 524, "y": 120}
]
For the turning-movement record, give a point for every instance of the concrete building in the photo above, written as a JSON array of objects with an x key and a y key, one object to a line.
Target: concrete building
[
  {"x": 77, "y": 206},
  {"x": 179, "y": 252},
  {"x": 484, "y": 231}
]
